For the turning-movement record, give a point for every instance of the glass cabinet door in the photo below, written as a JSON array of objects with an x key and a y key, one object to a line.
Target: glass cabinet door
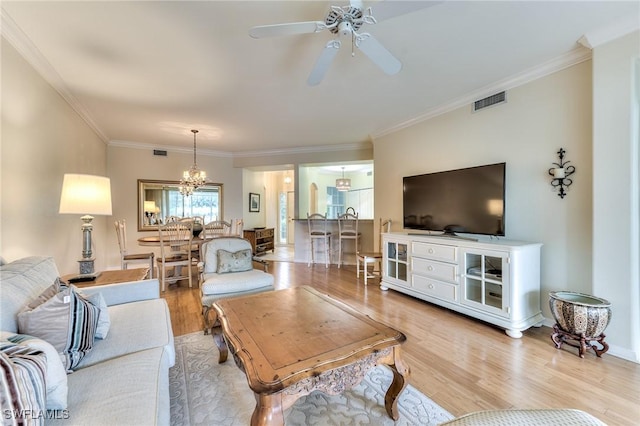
[
  {"x": 397, "y": 260},
  {"x": 484, "y": 283}
]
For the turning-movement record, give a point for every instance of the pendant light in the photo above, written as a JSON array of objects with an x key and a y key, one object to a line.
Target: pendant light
[
  {"x": 193, "y": 178},
  {"x": 343, "y": 184}
]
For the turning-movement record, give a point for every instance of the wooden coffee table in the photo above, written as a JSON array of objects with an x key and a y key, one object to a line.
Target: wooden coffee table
[{"x": 292, "y": 342}]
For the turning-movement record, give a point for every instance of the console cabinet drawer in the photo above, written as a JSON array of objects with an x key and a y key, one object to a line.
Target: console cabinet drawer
[
  {"x": 264, "y": 233},
  {"x": 435, "y": 269},
  {"x": 435, "y": 251},
  {"x": 435, "y": 288}
]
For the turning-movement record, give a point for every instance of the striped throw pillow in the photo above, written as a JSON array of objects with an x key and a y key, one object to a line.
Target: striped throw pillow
[
  {"x": 56, "y": 377},
  {"x": 66, "y": 320},
  {"x": 22, "y": 384}
]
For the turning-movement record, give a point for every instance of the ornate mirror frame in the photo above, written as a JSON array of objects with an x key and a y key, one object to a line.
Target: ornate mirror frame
[{"x": 158, "y": 199}]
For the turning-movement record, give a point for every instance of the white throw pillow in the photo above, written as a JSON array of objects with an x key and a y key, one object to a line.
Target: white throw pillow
[{"x": 104, "y": 321}]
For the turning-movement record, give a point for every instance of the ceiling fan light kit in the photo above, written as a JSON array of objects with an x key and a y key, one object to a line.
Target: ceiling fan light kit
[{"x": 343, "y": 21}]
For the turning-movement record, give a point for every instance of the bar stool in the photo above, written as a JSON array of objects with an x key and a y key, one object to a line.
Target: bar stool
[
  {"x": 348, "y": 230},
  {"x": 318, "y": 231}
]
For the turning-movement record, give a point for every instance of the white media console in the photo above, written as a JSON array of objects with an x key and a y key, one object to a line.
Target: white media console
[{"x": 496, "y": 281}]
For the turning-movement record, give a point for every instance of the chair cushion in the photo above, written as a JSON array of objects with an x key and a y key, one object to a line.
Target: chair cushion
[
  {"x": 135, "y": 327},
  {"x": 239, "y": 261},
  {"x": 235, "y": 282},
  {"x": 130, "y": 390}
]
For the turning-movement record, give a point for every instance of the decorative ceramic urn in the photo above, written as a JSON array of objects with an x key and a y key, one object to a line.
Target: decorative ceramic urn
[{"x": 580, "y": 314}]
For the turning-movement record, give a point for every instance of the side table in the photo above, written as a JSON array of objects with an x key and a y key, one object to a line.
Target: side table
[{"x": 112, "y": 277}]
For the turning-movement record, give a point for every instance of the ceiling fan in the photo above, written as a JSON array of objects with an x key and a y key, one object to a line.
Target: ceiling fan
[{"x": 345, "y": 21}]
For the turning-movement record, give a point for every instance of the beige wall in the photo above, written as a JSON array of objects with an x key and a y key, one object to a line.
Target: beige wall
[
  {"x": 526, "y": 132},
  {"x": 126, "y": 165},
  {"x": 616, "y": 224},
  {"x": 43, "y": 138}
]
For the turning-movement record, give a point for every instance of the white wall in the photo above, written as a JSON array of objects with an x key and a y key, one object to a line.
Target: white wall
[
  {"x": 616, "y": 246},
  {"x": 526, "y": 132},
  {"x": 127, "y": 165},
  {"x": 43, "y": 138},
  {"x": 253, "y": 182}
]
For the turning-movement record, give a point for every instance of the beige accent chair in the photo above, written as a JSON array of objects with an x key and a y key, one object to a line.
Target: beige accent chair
[
  {"x": 319, "y": 231},
  {"x": 125, "y": 256},
  {"x": 347, "y": 231},
  {"x": 364, "y": 259},
  {"x": 175, "y": 252},
  {"x": 234, "y": 272}
]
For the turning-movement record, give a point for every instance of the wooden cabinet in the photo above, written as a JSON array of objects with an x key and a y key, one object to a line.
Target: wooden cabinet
[
  {"x": 494, "y": 281},
  {"x": 261, "y": 239}
]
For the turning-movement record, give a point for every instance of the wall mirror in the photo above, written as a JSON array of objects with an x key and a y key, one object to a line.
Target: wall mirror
[{"x": 159, "y": 199}]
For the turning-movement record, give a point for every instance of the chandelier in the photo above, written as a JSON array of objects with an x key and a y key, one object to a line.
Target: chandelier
[
  {"x": 343, "y": 184},
  {"x": 193, "y": 178}
]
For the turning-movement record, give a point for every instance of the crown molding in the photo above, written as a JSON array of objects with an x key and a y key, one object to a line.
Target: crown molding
[
  {"x": 244, "y": 154},
  {"x": 19, "y": 40},
  {"x": 168, "y": 148},
  {"x": 575, "y": 56},
  {"x": 305, "y": 150},
  {"x": 611, "y": 32}
]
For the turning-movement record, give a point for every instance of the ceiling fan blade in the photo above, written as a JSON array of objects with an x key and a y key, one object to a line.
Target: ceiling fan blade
[
  {"x": 388, "y": 9},
  {"x": 287, "y": 29},
  {"x": 323, "y": 62},
  {"x": 378, "y": 53}
]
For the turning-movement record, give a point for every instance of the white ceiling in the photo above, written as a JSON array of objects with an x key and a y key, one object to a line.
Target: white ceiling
[{"x": 147, "y": 72}]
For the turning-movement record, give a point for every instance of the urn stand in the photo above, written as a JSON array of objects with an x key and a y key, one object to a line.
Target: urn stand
[{"x": 580, "y": 320}]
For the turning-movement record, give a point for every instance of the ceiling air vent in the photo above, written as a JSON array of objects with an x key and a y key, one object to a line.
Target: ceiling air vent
[
  {"x": 161, "y": 152},
  {"x": 498, "y": 98}
]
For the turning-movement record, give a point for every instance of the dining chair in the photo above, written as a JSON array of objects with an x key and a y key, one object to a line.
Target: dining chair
[
  {"x": 125, "y": 256},
  {"x": 175, "y": 251},
  {"x": 237, "y": 227},
  {"x": 372, "y": 258},
  {"x": 318, "y": 231},
  {"x": 347, "y": 231},
  {"x": 216, "y": 228}
]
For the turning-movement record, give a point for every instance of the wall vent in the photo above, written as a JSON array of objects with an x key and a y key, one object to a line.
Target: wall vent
[
  {"x": 161, "y": 152},
  {"x": 498, "y": 98}
]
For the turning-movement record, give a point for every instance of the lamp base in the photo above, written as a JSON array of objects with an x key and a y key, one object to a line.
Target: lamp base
[{"x": 86, "y": 266}]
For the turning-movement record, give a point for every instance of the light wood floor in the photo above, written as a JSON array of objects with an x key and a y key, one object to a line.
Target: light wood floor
[{"x": 462, "y": 364}]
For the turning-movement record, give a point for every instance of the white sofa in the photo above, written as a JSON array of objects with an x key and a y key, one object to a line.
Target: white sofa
[{"x": 124, "y": 379}]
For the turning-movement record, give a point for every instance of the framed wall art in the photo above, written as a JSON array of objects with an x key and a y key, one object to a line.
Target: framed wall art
[{"x": 254, "y": 202}]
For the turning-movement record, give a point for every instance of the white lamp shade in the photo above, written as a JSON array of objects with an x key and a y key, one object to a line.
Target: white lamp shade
[
  {"x": 85, "y": 194},
  {"x": 150, "y": 206}
]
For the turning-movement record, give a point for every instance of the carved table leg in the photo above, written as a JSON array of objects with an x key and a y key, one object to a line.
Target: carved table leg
[
  {"x": 605, "y": 346},
  {"x": 218, "y": 339},
  {"x": 400, "y": 380},
  {"x": 268, "y": 410}
]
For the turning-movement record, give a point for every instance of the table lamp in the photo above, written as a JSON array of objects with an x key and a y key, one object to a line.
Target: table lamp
[
  {"x": 149, "y": 210},
  {"x": 87, "y": 195}
]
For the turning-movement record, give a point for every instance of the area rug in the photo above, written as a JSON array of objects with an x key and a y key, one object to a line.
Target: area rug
[{"x": 204, "y": 392}]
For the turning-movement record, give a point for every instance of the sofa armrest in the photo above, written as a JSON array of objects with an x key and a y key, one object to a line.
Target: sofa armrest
[{"x": 132, "y": 291}]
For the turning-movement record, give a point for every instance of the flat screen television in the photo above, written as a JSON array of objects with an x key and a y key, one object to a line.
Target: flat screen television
[{"x": 470, "y": 200}]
